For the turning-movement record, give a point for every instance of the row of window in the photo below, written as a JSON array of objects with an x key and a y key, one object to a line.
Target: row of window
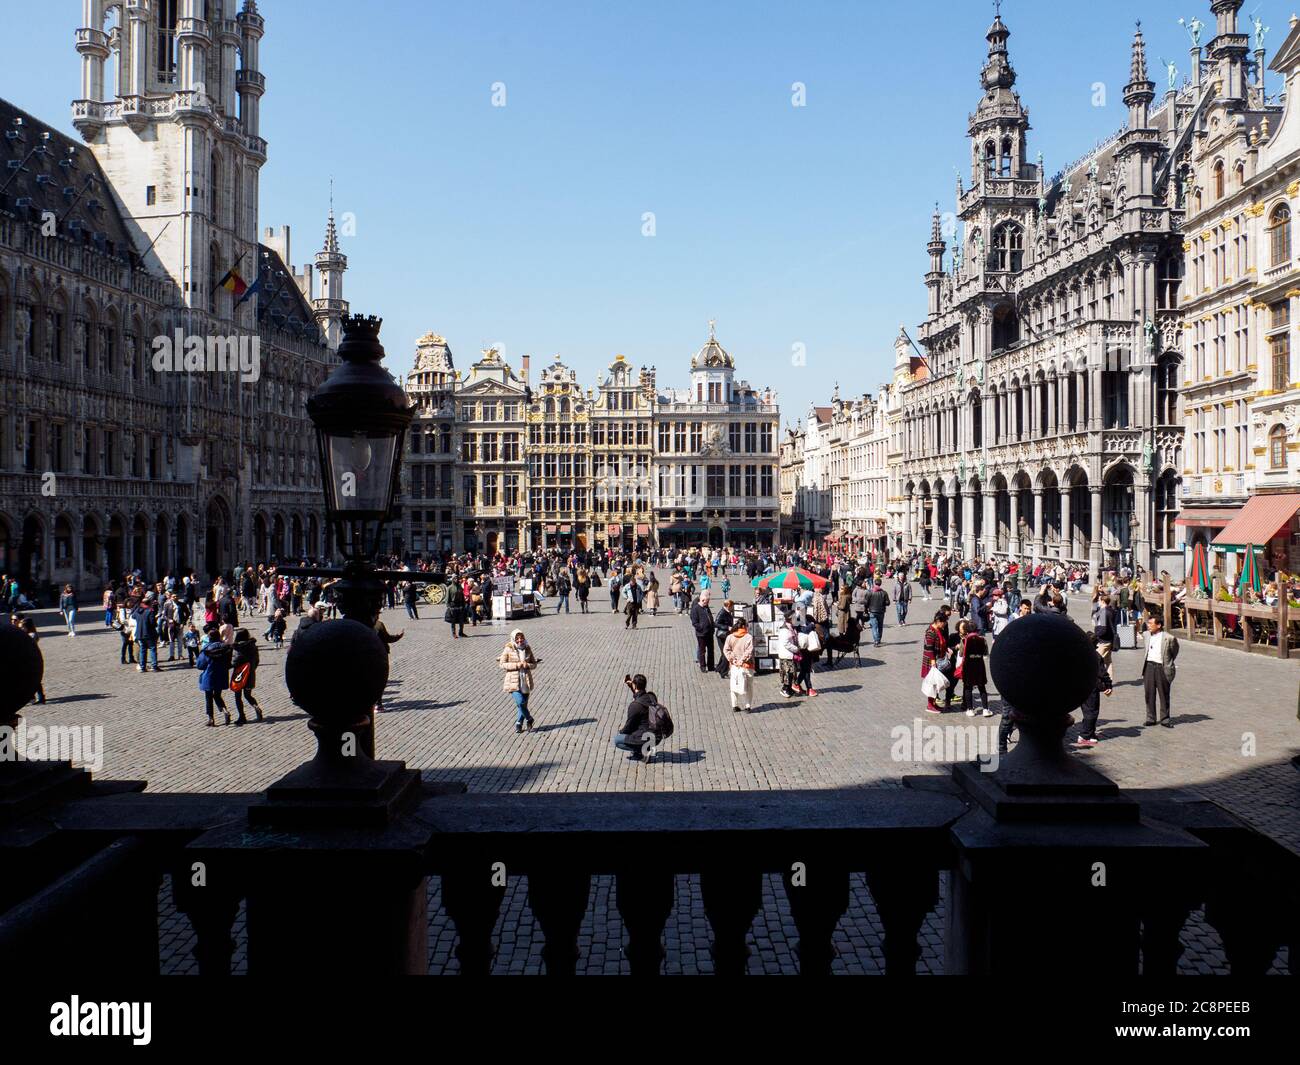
[
  {"x": 490, "y": 411},
  {"x": 717, "y": 481},
  {"x": 743, "y": 438},
  {"x": 684, "y": 438},
  {"x": 1036, "y": 409}
]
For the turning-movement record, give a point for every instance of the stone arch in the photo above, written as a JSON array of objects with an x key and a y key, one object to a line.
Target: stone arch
[
  {"x": 161, "y": 545},
  {"x": 31, "y": 548},
  {"x": 218, "y": 536}
]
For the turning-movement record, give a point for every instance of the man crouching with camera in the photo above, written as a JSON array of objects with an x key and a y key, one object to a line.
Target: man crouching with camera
[{"x": 647, "y": 722}]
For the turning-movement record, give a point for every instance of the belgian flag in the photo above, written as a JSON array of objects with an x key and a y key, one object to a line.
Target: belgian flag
[{"x": 232, "y": 282}]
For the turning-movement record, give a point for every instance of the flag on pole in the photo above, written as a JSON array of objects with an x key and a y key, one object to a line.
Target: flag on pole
[
  {"x": 232, "y": 282},
  {"x": 248, "y": 292}
]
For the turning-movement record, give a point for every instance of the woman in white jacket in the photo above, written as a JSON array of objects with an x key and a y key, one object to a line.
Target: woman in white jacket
[{"x": 787, "y": 650}]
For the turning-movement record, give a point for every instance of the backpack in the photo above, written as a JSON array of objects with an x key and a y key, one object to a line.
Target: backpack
[
  {"x": 241, "y": 676},
  {"x": 659, "y": 721}
]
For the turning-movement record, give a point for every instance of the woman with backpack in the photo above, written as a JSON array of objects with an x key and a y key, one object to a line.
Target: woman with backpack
[
  {"x": 582, "y": 582},
  {"x": 972, "y": 650},
  {"x": 243, "y": 675},
  {"x": 518, "y": 661},
  {"x": 214, "y": 674}
]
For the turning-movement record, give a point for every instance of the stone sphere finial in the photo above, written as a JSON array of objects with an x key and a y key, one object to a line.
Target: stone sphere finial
[
  {"x": 336, "y": 671},
  {"x": 1044, "y": 665},
  {"x": 22, "y": 666}
]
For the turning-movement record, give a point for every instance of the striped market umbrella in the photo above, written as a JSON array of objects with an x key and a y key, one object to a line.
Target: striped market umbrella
[
  {"x": 1250, "y": 573},
  {"x": 790, "y": 578},
  {"x": 1200, "y": 575}
]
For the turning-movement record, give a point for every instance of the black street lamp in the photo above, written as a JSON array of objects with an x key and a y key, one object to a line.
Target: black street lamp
[{"x": 361, "y": 416}]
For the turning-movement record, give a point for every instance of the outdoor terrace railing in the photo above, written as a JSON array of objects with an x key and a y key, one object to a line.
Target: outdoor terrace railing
[{"x": 1253, "y": 627}]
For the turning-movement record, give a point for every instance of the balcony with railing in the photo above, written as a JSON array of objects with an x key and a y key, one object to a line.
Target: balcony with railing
[{"x": 1009, "y": 850}]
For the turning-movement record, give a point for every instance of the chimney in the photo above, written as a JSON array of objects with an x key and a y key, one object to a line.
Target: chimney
[{"x": 525, "y": 371}]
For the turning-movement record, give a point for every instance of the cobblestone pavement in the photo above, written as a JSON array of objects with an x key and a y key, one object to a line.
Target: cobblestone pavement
[{"x": 1235, "y": 729}]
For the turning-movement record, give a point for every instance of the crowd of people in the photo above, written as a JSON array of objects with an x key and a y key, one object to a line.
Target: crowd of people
[{"x": 205, "y": 625}]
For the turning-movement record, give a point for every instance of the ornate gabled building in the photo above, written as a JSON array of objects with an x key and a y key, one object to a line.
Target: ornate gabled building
[
  {"x": 1035, "y": 423},
  {"x": 429, "y": 476},
  {"x": 491, "y": 512},
  {"x": 113, "y": 454},
  {"x": 715, "y": 457},
  {"x": 559, "y": 461},
  {"x": 1240, "y": 387},
  {"x": 622, "y": 454}
]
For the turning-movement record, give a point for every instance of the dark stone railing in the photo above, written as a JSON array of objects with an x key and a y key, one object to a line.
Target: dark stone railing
[{"x": 1050, "y": 867}]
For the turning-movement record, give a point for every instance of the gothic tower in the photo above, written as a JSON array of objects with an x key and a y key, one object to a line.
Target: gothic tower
[
  {"x": 330, "y": 306},
  {"x": 176, "y": 133},
  {"x": 936, "y": 248},
  {"x": 999, "y": 126},
  {"x": 1228, "y": 50},
  {"x": 1141, "y": 147},
  {"x": 998, "y": 209}
]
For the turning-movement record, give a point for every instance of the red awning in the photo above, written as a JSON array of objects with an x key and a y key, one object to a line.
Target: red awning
[
  {"x": 550, "y": 530},
  {"x": 565, "y": 530},
  {"x": 1261, "y": 519},
  {"x": 613, "y": 531},
  {"x": 1207, "y": 517},
  {"x": 643, "y": 530}
]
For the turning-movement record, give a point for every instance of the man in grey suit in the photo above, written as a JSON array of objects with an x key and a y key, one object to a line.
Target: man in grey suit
[{"x": 1158, "y": 670}]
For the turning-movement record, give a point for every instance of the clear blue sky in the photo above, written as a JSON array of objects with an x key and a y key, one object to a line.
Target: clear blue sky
[{"x": 521, "y": 225}]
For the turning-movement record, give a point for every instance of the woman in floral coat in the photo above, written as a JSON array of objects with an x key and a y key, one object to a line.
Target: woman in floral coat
[{"x": 934, "y": 648}]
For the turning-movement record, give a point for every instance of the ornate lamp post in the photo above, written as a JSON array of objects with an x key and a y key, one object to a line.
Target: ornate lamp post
[{"x": 361, "y": 416}]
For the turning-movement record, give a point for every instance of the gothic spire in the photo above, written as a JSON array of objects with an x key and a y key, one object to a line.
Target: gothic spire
[
  {"x": 331, "y": 235},
  {"x": 1140, "y": 90},
  {"x": 998, "y": 73},
  {"x": 1138, "y": 72}
]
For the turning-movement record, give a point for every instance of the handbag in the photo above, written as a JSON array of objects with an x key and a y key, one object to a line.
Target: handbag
[
  {"x": 241, "y": 676},
  {"x": 961, "y": 660},
  {"x": 814, "y": 641}
]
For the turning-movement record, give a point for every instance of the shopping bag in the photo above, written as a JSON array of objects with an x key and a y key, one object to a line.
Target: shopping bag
[{"x": 736, "y": 678}]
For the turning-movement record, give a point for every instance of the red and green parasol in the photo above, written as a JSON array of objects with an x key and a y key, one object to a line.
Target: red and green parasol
[
  {"x": 1200, "y": 574},
  {"x": 1250, "y": 577},
  {"x": 790, "y": 578}
]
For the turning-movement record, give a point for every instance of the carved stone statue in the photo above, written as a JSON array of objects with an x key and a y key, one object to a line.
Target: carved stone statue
[
  {"x": 1194, "y": 28},
  {"x": 1261, "y": 31},
  {"x": 1148, "y": 456},
  {"x": 1150, "y": 330}
]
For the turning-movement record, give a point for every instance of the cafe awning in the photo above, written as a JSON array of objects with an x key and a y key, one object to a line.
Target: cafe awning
[
  {"x": 565, "y": 529},
  {"x": 1207, "y": 517},
  {"x": 550, "y": 530},
  {"x": 613, "y": 531},
  {"x": 643, "y": 530},
  {"x": 1261, "y": 519}
]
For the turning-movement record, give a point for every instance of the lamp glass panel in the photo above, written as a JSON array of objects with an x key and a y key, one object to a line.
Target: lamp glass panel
[{"x": 361, "y": 469}]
